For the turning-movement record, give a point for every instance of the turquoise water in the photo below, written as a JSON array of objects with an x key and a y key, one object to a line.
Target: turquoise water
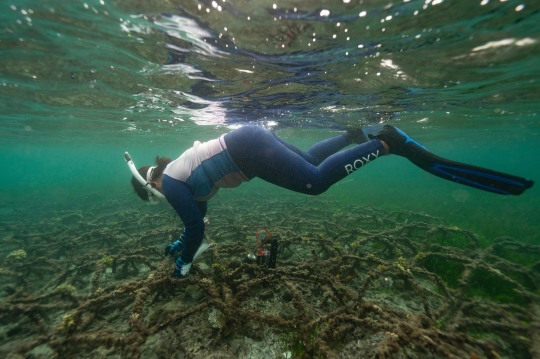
[
  {"x": 81, "y": 82},
  {"x": 363, "y": 274}
]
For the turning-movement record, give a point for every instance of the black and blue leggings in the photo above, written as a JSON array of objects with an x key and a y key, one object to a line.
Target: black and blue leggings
[{"x": 260, "y": 153}]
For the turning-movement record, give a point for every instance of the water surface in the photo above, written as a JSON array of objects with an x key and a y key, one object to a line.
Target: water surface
[{"x": 81, "y": 82}]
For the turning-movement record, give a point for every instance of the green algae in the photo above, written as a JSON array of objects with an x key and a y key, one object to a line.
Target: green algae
[
  {"x": 489, "y": 285},
  {"x": 517, "y": 255},
  {"x": 522, "y": 278},
  {"x": 448, "y": 269},
  {"x": 452, "y": 237}
]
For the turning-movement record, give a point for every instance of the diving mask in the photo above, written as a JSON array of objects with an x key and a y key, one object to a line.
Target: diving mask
[{"x": 154, "y": 196}]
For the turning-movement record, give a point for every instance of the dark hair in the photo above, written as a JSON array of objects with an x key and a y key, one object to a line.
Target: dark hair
[{"x": 161, "y": 163}]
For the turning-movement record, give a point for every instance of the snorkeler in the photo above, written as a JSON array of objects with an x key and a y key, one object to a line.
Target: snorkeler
[{"x": 188, "y": 182}]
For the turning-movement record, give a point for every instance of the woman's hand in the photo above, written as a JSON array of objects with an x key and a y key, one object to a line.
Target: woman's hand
[
  {"x": 174, "y": 248},
  {"x": 181, "y": 268}
]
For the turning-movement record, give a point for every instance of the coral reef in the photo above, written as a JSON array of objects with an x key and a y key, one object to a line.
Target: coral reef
[
  {"x": 19, "y": 254},
  {"x": 350, "y": 282}
]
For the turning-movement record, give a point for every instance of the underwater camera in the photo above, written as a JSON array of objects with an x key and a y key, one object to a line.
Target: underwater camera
[{"x": 266, "y": 257}]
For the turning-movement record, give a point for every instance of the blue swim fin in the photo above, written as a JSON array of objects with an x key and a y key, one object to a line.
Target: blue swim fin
[
  {"x": 469, "y": 175},
  {"x": 482, "y": 178}
]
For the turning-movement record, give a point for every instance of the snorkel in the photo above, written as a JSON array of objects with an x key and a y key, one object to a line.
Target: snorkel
[{"x": 154, "y": 196}]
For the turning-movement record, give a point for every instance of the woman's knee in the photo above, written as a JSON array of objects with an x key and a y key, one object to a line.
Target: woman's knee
[{"x": 315, "y": 189}]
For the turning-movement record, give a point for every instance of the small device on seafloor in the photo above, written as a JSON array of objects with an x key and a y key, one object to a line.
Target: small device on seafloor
[{"x": 266, "y": 257}]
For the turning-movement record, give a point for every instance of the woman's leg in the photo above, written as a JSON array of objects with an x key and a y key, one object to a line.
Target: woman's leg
[
  {"x": 258, "y": 153},
  {"x": 321, "y": 150}
]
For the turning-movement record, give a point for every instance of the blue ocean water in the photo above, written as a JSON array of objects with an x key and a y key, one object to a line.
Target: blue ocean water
[{"x": 83, "y": 81}]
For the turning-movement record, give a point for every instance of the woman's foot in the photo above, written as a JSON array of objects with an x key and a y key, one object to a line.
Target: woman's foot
[{"x": 398, "y": 141}]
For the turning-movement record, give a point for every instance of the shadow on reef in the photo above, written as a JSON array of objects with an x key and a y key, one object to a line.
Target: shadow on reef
[{"x": 350, "y": 282}]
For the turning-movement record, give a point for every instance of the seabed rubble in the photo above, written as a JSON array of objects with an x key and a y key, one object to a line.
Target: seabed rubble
[{"x": 350, "y": 282}]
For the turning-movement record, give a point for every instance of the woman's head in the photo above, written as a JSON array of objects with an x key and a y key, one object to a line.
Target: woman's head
[{"x": 161, "y": 163}]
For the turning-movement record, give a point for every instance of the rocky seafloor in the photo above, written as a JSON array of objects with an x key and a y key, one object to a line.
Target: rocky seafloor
[{"x": 350, "y": 282}]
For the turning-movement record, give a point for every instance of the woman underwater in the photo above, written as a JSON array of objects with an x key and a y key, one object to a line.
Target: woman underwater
[{"x": 188, "y": 182}]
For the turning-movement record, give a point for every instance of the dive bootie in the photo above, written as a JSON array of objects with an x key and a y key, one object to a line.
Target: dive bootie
[
  {"x": 482, "y": 178},
  {"x": 399, "y": 142}
]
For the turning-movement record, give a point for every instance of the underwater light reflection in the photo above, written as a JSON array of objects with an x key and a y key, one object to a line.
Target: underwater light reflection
[
  {"x": 188, "y": 30},
  {"x": 212, "y": 114}
]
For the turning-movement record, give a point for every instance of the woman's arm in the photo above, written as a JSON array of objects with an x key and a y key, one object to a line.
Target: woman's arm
[
  {"x": 180, "y": 198},
  {"x": 202, "y": 207}
]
